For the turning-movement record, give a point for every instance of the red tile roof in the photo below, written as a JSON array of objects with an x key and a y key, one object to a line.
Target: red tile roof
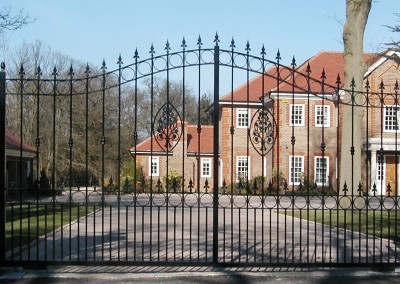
[
  {"x": 14, "y": 143},
  {"x": 254, "y": 90},
  {"x": 192, "y": 137},
  {"x": 331, "y": 62},
  {"x": 206, "y": 139}
]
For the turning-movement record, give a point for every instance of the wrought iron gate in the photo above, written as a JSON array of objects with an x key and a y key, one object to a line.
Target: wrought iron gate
[{"x": 121, "y": 167}]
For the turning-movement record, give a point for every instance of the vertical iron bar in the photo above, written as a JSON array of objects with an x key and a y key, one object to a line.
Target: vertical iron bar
[
  {"x": 264, "y": 159},
  {"x": 183, "y": 145},
  {"x": 87, "y": 73},
  {"x": 367, "y": 173},
  {"x": 383, "y": 161},
  {"x": 54, "y": 178},
  {"x": 2, "y": 162},
  {"x": 21, "y": 89},
  {"x": 215, "y": 154},
  {"x": 168, "y": 151},
  {"x": 135, "y": 181},
  {"x": 103, "y": 140},
  {"x": 232, "y": 132},
  {"x": 39, "y": 73},
  {"x": 278, "y": 77},
  {"x": 71, "y": 74},
  {"x": 308, "y": 161},
  {"x": 119, "y": 155},
  {"x": 151, "y": 156},
  {"x": 324, "y": 178},
  {"x": 247, "y": 147},
  {"x": 293, "y": 147}
]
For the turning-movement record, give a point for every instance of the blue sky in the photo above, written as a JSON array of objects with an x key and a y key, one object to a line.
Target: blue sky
[{"x": 91, "y": 30}]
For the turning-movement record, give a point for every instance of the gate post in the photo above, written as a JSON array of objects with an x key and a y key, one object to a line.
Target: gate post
[
  {"x": 2, "y": 161},
  {"x": 216, "y": 153}
]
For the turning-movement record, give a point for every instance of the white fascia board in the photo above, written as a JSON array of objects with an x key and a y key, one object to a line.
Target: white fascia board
[
  {"x": 149, "y": 153},
  {"x": 310, "y": 96},
  {"x": 17, "y": 153},
  {"x": 227, "y": 103},
  {"x": 380, "y": 61}
]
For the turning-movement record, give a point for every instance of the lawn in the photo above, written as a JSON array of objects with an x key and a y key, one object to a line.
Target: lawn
[
  {"x": 26, "y": 222},
  {"x": 380, "y": 223}
]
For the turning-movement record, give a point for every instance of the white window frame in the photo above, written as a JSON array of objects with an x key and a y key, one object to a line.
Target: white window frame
[
  {"x": 295, "y": 180},
  {"x": 317, "y": 170},
  {"x": 205, "y": 161},
  {"x": 156, "y": 161},
  {"x": 326, "y": 115},
  {"x": 392, "y": 127},
  {"x": 300, "y": 121},
  {"x": 380, "y": 168},
  {"x": 246, "y": 172},
  {"x": 242, "y": 115}
]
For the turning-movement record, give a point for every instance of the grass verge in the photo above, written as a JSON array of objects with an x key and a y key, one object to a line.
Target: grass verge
[
  {"x": 380, "y": 223},
  {"x": 26, "y": 222}
]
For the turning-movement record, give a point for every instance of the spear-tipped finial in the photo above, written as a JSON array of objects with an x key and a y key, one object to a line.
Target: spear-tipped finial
[
  {"x": 278, "y": 56},
  {"x": 119, "y": 62},
  {"x": 152, "y": 51},
  {"x": 3, "y": 66},
  {"x": 199, "y": 43},
  {"x": 263, "y": 53},
  {"x": 39, "y": 71},
  {"x": 87, "y": 70},
  {"x": 338, "y": 81},
  {"x": 247, "y": 49},
  {"x": 183, "y": 45},
  {"x": 353, "y": 83},
  {"x": 216, "y": 39},
  {"x": 308, "y": 70},
  {"x": 167, "y": 48},
  {"x": 136, "y": 54},
  {"x": 232, "y": 46},
  {"x": 103, "y": 65},
  {"x": 323, "y": 75},
  {"x": 21, "y": 70},
  {"x": 71, "y": 71},
  {"x": 55, "y": 73},
  {"x": 381, "y": 85},
  {"x": 293, "y": 64}
]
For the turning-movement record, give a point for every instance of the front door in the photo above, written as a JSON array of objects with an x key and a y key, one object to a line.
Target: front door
[{"x": 391, "y": 175}]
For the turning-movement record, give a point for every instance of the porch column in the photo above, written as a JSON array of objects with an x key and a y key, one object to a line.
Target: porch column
[{"x": 373, "y": 169}]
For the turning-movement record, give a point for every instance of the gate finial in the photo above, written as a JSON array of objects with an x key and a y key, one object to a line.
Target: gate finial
[
  {"x": 3, "y": 66},
  {"x": 136, "y": 54},
  {"x": 278, "y": 55},
  {"x": 183, "y": 45},
  {"x": 199, "y": 43},
  {"x": 247, "y": 47},
  {"x": 216, "y": 39},
  {"x": 232, "y": 44},
  {"x": 152, "y": 50},
  {"x": 263, "y": 53}
]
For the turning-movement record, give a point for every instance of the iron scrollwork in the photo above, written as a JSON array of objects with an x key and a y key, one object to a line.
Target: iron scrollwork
[
  {"x": 167, "y": 131},
  {"x": 262, "y": 131}
]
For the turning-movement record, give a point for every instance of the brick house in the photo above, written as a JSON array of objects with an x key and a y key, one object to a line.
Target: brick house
[
  {"x": 19, "y": 170},
  {"x": 311, "y": 115},
  {"x": 303, "y": 144},
  {"x": 189, "y": 154}
]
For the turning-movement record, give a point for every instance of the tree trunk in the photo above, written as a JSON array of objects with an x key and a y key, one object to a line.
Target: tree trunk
[{"x": 357, "y": 12}]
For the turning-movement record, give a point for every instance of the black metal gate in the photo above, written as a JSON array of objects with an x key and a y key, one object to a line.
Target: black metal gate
[{"x": 137, "y": 166}]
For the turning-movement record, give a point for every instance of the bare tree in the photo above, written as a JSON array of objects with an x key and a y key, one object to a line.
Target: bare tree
[
  {"x": 11, "y": 22},
  {"x": 357, "y": 12}
]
